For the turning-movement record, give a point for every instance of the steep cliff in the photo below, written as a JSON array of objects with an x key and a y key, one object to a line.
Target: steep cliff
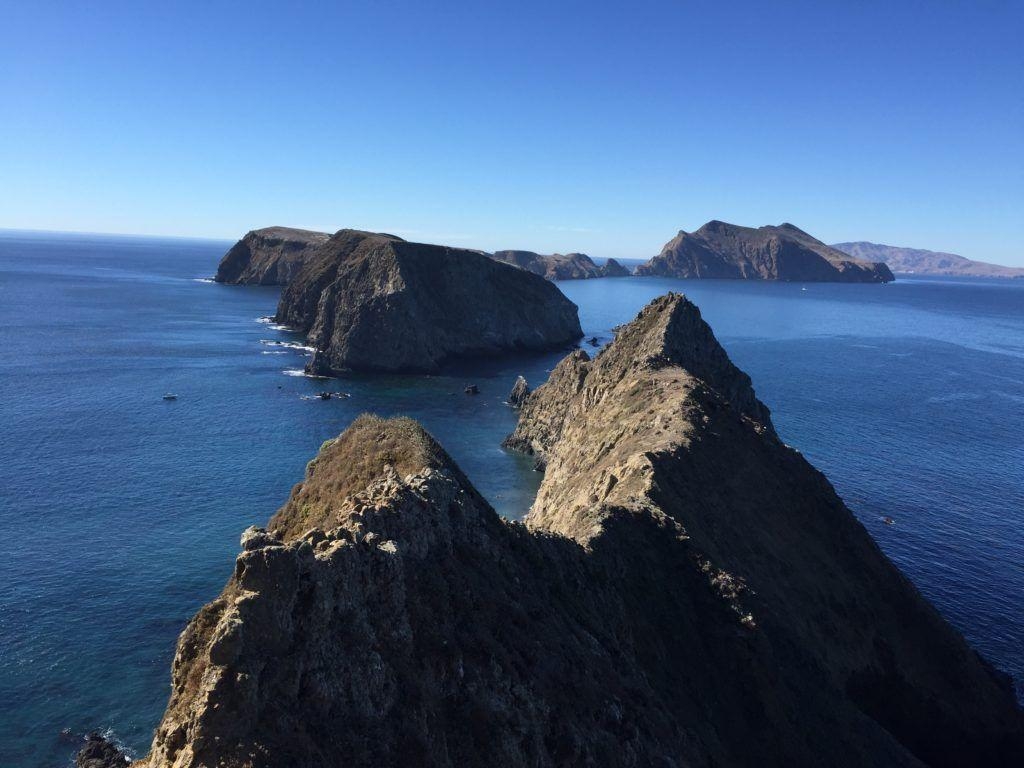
[
  {"x": 720, "y": 250},
  {"x": 375, "y": 302},
  {"x": 557, "y": 266},
  {"x": 270, "y": 256},
  {"x": 686, "y": 591}
]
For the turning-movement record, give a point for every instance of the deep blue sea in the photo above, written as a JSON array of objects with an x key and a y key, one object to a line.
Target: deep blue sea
[{"x": 121, "y": 512}]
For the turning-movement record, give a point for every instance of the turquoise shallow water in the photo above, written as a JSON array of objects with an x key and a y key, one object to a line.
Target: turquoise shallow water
[{"x": 121, "y": 512}]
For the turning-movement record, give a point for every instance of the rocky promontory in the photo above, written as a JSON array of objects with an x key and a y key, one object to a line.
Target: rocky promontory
[
  {"x": 270, "y": 256},
  {"x": 558, "y": 266},
  {"x": 720, "y": 250},
  {"x": 686, "y": 591},
  {"x": 375, "y": 302}
]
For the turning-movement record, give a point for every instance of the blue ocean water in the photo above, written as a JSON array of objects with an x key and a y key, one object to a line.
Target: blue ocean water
[{"x": 121, "y": 511}]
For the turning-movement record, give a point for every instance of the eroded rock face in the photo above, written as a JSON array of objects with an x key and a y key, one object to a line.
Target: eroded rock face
[
  {"x": 270, "y": 256},
  {"x": 720, "y": 250},
  {"x": 556, "y": 266},
  {"x": 686, "y": 591},
  {"x": 612, "y": 268},
  {"x": 520, "y": 391},
  {"x": 375, "y": 302}
]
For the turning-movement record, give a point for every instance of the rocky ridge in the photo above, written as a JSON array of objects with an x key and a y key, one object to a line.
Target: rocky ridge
[
  {"x": 269, "y": 256},
  {"x": 721, "y": 250},
  {"x": 686, "y": 590},
  {"x": 921, "y": 262},
  {"x": 370, "y": 301},
  {"x": 557, "y": 266}
]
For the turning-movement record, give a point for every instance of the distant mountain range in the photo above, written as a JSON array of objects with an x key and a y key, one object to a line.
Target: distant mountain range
[{"x": 921, "y": 262}]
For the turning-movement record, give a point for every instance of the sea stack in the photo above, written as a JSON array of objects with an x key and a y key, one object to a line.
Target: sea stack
[
  {"x": 520, "y": 391},
  {"x": 374, "y": 302},
  {"x": 720, "y": 250},
  {"x": 687, "y": 590},
  {"x": 270, "y": 256}
]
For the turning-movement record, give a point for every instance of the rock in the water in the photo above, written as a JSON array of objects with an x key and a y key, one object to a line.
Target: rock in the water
[
  {"x": 720, "y": 250},
  {"x": 100, "y": 752},
  {"x": 687, "y": 591},
  {"x": 472, "y": 389},
  {"x": 520, "y": 391},
  {"x": 556, "y": 266},
  {"x": 376, "y": 302},
  {"x": 270, "y": 256},
  {"x": 612, "y": 268}
]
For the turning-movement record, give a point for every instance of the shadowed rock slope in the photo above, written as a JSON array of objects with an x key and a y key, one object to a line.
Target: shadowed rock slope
[
  {"x": 558, "y": 266},
  {"x": 720, "y": 250},
  {"x": 687, "y": 591},
  {"x": 270, "y": 256},
  {"x": 376, "y": 302}
]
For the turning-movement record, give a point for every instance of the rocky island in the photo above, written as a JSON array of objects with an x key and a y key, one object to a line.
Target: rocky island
[
  {"x": 721, "y": 250},
  {"x": 374, "y": 302},
  {"x": 269, "y": 256},
  {"x": 557, "y": 266},
  {"x": 686, "y": 591},
  {"x": 918, "y": 261}
]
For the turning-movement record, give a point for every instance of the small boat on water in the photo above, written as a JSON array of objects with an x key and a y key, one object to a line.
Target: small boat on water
[{"x": 169, "y": 396}]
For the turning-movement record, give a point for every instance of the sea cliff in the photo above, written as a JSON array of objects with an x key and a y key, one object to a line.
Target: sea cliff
[
  {"x": 370, "y": 301},
  {"x": 686, "y": 590},
  {"x": 270, "y": 256}
]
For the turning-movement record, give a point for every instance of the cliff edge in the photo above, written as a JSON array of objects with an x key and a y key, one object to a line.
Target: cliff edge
[
  {"x": 269, "y": 256},
  {"x": 371, "y": 301}
]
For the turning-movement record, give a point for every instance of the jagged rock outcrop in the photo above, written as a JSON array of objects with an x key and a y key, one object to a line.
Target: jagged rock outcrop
[
  {"x": 720, "y": 250},
  {"x": 100, "y": 752},
  {"x": 921, "y": 262},
  {"x": 612, "y": 268},
  {"x": 556, "y": 266},
  {"x": 270, "y": 256},
  {"x": 376, "y": 302},
  {"x": 686, "y": 591},
  {"x": 520, "y": 391}
]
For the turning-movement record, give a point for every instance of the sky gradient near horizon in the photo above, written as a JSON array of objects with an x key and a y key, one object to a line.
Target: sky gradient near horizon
[{"x": 558, "y": 126}]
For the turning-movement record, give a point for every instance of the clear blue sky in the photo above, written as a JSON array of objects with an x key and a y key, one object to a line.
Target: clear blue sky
[{"x": 554, "y": 126}]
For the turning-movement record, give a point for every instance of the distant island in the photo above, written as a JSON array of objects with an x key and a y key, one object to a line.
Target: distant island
[
  {"x": 784, "y": 252},
  {"x": 921, "y": 262},
  {"x": 557, "y": 266}
]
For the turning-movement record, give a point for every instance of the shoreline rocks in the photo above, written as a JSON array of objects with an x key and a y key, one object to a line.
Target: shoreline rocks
[
  {"x": 728, "y": 251},
  {"x": 520, "y": 391}
]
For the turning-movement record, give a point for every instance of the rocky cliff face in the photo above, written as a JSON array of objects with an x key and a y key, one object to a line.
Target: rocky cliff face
[
  {"x": 612, "y": 268},
  {"x": 375, "y": 302},
  {"x": 922, "y": 262},
  {"x": 720, "y": 250},
  {"x": 270, "y": 256},
  {"x": 557, "y": 266},
  {"x": 686, "y": 591}
]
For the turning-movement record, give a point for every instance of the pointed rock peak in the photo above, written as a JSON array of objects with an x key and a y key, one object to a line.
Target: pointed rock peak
[
  {"x": 715, "y": 225},
  {"x": 671, "y": 332},
  {"x": 371, "y": 449}
]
